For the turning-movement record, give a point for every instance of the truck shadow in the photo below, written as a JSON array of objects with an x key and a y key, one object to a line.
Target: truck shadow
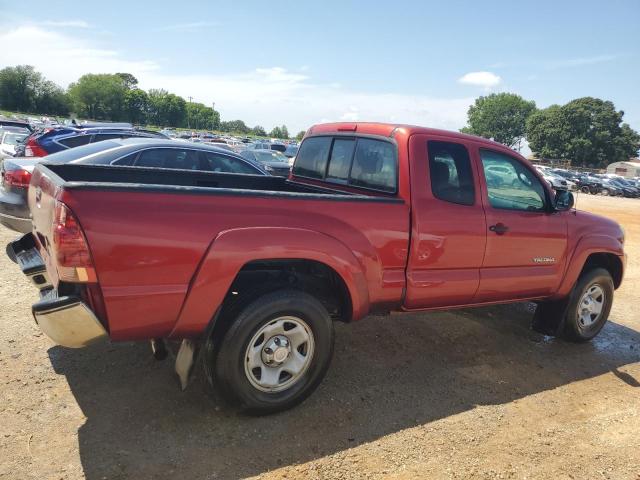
[{"x": 388, "y": 374}]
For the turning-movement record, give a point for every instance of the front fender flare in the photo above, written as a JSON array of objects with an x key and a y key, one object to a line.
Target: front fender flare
[
  {"x": 586, "y": 246},
  {"x": 232, "y": 249}
]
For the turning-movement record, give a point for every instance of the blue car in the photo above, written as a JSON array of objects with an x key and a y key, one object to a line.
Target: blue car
[{"x": 53, "y": 140}]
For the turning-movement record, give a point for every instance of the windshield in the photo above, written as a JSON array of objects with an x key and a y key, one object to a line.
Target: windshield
[
  {"x": 270, "y": 156},
  {"x": 10, "y": 138}
]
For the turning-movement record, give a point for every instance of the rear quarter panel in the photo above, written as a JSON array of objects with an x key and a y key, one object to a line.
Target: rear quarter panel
[{"x": 147, "y": 248}]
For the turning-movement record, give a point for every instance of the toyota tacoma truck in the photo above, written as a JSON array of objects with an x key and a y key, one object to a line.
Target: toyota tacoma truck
[{"x": 248, "y": 273}]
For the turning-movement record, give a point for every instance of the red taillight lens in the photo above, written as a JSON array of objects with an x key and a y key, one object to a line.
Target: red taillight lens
[
  {"x": 33, "y": 149},
  {"x": 71, "y": 250},
  {"x": 16, "y": 178}
]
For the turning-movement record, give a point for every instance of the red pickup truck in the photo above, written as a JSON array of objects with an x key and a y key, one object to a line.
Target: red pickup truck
[{"x": 249, "y": 272}]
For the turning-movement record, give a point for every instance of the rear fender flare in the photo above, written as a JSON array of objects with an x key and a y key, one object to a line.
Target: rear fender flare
[{"x": 232, "y": 249}]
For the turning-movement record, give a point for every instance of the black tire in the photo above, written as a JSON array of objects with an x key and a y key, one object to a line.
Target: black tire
[
  {"x": 605, "y": 192},
  {"x": 225, "y": 358},
  {"x": 573, "y": 330}
]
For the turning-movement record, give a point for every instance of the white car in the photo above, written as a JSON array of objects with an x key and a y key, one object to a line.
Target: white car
[{"x": 9, "y": 139}]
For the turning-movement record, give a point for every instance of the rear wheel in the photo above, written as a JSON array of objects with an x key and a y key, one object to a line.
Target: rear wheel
[
  {"x": 274, "y": 354},
  {"x": 605, "y": 192},
  {"x": 589, "y": 306}
]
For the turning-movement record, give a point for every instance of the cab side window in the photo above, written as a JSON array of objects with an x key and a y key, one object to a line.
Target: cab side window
[
  {"x": 510, "y": 185},
  {"x": 450, "y": 171}
]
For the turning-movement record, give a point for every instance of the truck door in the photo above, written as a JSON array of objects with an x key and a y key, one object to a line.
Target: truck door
[
  {"x": 448, "y": 231},
  {"x": 526, "y": 242}
]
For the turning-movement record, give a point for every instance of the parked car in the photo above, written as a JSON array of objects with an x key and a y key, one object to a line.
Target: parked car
[
  {"x": 629, "y": 190},
  {"x": 52, "y": 140},
  {"x": 10, "y": 137},
  {"x": 136, "y": 152},
  {"x": 249, "y": 272},
  {"x": 279, "y": 147},
  {"x": 274, "y": 162},
  {"x": 291, "y": 151},
  {"x": 5, "y": 122}
]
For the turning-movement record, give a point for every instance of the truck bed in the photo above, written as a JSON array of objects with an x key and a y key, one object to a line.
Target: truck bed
[
  {"x": 168, "y": 244},
  {"x": 159, "y": 179}
]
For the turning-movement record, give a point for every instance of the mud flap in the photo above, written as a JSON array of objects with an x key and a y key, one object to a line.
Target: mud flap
[
  {"x": 184, "y": 361},
  {"x": 549, "y": 317}
]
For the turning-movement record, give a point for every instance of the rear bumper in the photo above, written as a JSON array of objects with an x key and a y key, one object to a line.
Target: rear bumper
[
  {"x": 14, "y": 212},
  {"x": 66, "y": 320}
]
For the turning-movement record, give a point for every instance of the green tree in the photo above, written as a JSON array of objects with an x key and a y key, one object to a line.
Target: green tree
[
  {"x": 99, "y": 96},
  {"x": 259, "y": 131},
  {"x": 51, "y": 99},
  {"x": 167, "y": 109},
  {"x": 200, "y": 116},
  {"x": 275, "y": 132},
  {"x": 588, "y": 131},
  {"x": 136, "y": 105},
  {"x": 300, "y": 135},
  {"x": 18, "y": 88},
  {"x": 235, "y": 126},
  {"x": 129, "y": 81},
  {"x": 501, "y": 116}
]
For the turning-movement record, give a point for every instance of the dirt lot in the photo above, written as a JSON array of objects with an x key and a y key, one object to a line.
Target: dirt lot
[{"x": 468, "y": 394}]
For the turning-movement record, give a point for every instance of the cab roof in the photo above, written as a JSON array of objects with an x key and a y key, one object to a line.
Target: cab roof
[{"x": 389, "y": 129}]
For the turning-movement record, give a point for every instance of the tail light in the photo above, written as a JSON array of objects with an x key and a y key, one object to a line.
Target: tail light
[
  {"x": 19, "y": 178},
  {"x": 33, "y": 149},
  {"x": 70, "y": 246}
]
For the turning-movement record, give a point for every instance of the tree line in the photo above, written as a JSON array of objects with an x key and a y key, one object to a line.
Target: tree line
[
  {"x": 588, "y": 131},
  {"x": 114, "y": 97}
]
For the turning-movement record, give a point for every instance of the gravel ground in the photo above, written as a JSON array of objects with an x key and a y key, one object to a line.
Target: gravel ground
[{"x": 464, "y": 394}]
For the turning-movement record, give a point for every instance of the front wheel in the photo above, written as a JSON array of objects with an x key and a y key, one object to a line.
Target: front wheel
[
  {"x": 589, "y": 306},
  {"x": 274, "y": 354}
]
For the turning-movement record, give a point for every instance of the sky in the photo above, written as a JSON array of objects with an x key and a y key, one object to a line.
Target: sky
[{"x": 300, "y": 63}]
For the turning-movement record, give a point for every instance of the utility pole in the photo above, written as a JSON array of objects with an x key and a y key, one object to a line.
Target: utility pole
[{"x": 189, "y": 114}]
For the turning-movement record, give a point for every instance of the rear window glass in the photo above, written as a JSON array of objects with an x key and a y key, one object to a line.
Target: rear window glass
[
  {"x": 76, "y": 153},
  {"x": 76, "y": 141},
  {"x": 374, "y": 165},
  {"x": 355, "y": 161},
  {"x": 340, "y": 162},
  {"x": 312, "y": 157}
]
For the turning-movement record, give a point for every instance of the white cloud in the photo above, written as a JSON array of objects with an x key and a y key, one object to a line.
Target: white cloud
[
  {"x": 266, "y": 96},
  {"x": 187, "y": 27},
  {"x": 64, "y": 24},
  {"x": 481, "y": 79},
  {"x": 67, "y": 58}
]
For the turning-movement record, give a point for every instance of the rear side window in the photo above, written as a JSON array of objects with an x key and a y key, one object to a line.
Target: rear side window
[
  {"x": 312, "y": 157},
  {"x": 169, "y": 158},
  {"x": 222, "y": 163},
  {"x": 450, "y": 171},
  {"x": 99, "y": 137},
  {"x": 356, "y": 161},
  {"x": 75, "y": 141}
]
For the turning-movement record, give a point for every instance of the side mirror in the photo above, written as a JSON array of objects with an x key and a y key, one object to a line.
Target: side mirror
[{"x": 564, "y": 200}]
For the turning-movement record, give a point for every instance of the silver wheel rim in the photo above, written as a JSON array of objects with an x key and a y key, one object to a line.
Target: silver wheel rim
[
  {"x": 279, "y": 354},
  {"x": 591, "y": 306}
]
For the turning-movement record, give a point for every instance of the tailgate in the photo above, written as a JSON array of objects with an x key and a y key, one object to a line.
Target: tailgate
[{"x": 45, "y": 190}]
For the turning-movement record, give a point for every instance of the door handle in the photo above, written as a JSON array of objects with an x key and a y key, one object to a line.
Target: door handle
[{"x": 499, "y": 228}]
